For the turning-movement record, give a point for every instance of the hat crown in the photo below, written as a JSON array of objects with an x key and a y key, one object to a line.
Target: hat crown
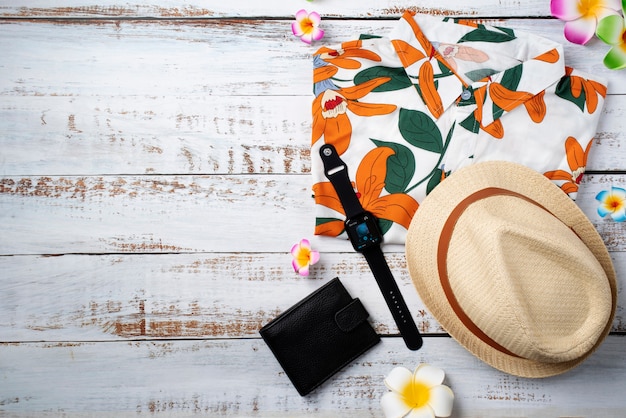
[{"x": 526, "y": 280}]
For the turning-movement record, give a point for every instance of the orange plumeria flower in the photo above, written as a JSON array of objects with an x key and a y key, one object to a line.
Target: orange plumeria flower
[
  {"x": 577, "y": 161},
  {"x": 344, "y": 56},
  {"x": 330, "y": 112},
  {"x": 370, "y": 182}
]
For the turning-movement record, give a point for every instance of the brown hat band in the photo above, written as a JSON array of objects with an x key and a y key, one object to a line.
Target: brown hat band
[{"x": 442, "y": 251}]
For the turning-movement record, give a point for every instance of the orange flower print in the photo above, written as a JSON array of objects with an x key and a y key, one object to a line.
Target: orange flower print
[
  {"x": 345, "y": 56},
  {"x": 370, "y": 182},
  {"x": 583, "y": 91},
  {"x": 536, "y": 107},
  {"x": 590, "y": 88},
  {"x": 407, "y": 53},
  {"x": 331, "y": 107},
  {"x": 577, "y": 161},
  {"x": 466, "y": 22},
  {"x": 507, "y": 100},
  {"x": 430, "y": 95},
  {"x": 324, "y": 73},
  {"x": 551, "y": 56},
  {"x": 495, "y": 128}
]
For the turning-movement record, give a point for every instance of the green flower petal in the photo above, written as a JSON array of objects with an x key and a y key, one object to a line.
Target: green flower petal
[
  {"x": 616, "y": 58},
  {"x": 610, "y": 29}
]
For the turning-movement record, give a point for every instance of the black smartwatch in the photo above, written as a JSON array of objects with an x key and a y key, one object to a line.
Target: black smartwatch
[{"x": 365, "y": 235}]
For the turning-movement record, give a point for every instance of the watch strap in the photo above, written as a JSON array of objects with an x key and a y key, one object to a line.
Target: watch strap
[
  {"x": 337, "y": 172},
  {"x": 389, "y": 288}
]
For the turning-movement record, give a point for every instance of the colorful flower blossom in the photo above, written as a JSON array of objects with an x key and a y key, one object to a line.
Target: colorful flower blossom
[
  {"x": 306, "y": 26},
  {"x": 577, "y": 161},
  {"x": 612, "y": 30},
  {"x": 303, "y": 257},
  {"x": 613, "y": 202},
  {"x": 417, "y": 394},
  {"x": 370, "y": 182},
  {"x": 582, "y": 16},
  {"x": 330, "y": 112},
  {"x": 344, "y": 57}
]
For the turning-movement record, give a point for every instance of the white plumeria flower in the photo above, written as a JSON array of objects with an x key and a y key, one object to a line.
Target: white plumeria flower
[{"x": 417, "y": 395}]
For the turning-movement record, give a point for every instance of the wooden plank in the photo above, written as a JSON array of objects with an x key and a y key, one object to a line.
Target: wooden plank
[
  {"x": 241, "y": 378},
  {"x": 112, "y": 297},
  {"x": 143, "y": 135},
  {"x": 190, "y": 135},
  {"x": 170, "y": 58},
  {"x": 162, "y": 214},
  {"x": 273, "y": 8}
]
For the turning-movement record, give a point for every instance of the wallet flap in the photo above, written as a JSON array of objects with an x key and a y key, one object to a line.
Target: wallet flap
[{"x": 351, "y": 316}]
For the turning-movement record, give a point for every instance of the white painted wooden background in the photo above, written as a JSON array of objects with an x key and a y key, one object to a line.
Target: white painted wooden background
[{"x": 154, "y": 173}]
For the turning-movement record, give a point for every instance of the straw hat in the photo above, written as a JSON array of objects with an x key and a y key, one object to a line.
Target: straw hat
[{"x": 512, "y": 269}]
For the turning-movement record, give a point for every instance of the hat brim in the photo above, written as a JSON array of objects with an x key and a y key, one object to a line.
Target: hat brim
[{"x": 422, "y": 248}]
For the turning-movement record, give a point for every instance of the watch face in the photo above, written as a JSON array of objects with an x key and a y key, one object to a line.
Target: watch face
[{"x": 363, "y": 231}]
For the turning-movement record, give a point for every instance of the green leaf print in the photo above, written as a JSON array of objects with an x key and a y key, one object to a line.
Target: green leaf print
[
  {"x": 471, "y": 124},
  {"x": 400, "y": 166},
  {"x": 512, "y": 76},
  {"x": 434, "y": 180},
  {"x": 479, "y": 74},
  {"x": 508, "y": 31},
  {"x": 384, "y": 225},
  {"x": 419, "y": 130},
  {"x": 445, "y": 71},
  {"x": 399, "y": 79},
  {"x": 320, "y": 221},
  {"x": 483, "y": 35},
  {"x": 564, "y": 91},
  {"x": 369, "y": 36}
]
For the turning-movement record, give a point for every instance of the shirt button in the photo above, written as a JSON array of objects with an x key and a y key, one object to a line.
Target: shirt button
[{"x": 466, "y": 94}]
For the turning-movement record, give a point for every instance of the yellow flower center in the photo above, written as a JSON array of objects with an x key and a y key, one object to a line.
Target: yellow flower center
[
  {"x": 306, "y": 25},
  {"x": 589, "y": 7},
  {"x": 416, "y": 395},
  {"x": 304, "y": 256},
  {"x": 614, "y": 203}
]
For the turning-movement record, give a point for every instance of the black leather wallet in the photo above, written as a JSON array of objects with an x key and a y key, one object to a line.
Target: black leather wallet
[{"x": 319, "y": 335}]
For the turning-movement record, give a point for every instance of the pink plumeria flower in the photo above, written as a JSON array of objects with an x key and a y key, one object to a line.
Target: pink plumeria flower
[
  {"x": 612, "y": 30},
  {"x": 582, "y": 16},
  {"x": 306, "y": 26},
  {"x": 303, "y": 257}
]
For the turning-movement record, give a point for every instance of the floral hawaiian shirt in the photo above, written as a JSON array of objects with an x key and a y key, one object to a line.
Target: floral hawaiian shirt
[{"x": 406, "y": 110}]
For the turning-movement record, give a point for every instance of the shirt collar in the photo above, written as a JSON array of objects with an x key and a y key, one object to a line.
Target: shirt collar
[{"x": 537, "y": 64}]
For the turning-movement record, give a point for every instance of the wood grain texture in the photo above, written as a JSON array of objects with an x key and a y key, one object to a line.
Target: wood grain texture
[
  {"x": 274, "y": 8},
  {"x": 191, "y": 135},
  {"x": 112, "y": 297},
  {"x": 174, "y": 214},
  {"x": 154, "y": 173},
  {"x": 241, "y": 378},
  {"x": 274, "y": 62},
  {"x": 74, "y": 115}
]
